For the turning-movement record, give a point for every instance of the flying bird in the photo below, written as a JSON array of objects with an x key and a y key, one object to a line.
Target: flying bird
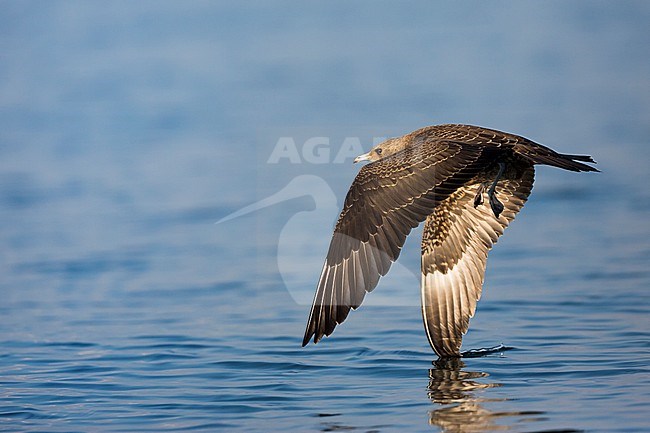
[{"x": 466, "y": 183}]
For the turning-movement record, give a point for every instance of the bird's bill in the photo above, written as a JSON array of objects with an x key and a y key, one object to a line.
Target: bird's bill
[{"x": 364, "y": 157}]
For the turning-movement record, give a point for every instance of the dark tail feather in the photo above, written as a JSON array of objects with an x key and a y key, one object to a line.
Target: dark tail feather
[
  {"x": 585, "y": 158},
  {"x": 567, "y": 162}
]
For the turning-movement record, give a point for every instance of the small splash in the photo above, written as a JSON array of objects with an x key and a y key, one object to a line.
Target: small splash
[{"x": 477, "y": 353}]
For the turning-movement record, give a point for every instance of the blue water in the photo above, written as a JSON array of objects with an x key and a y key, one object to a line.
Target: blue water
[{"x": 127, "y": 129}]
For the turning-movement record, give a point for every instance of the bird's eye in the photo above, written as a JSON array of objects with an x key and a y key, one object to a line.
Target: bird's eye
[{"x": 378, "y": 151}]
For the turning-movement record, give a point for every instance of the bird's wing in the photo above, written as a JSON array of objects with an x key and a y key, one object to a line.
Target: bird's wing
[
  {"x": 387, "y": 199},
  {"x": 455, "y": 244}
]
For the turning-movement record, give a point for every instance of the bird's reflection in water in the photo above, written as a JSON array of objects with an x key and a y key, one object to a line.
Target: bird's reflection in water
[{"x": 456, "y": 390}]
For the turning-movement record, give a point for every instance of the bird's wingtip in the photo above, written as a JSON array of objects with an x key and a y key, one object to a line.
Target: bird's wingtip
[{"x": 307, "y": 337}]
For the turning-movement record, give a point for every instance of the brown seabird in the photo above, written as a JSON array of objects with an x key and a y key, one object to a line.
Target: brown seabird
[{"x": 440, "y": 175}]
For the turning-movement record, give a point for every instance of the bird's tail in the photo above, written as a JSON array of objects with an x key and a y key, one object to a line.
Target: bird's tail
[{"x": 546, "y": 156}]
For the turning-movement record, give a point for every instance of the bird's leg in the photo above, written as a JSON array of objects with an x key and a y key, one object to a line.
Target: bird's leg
[{"x": 495, "y": 204}]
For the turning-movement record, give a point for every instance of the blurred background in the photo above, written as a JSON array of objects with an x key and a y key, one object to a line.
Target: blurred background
[{"x": 127, "y": 129}]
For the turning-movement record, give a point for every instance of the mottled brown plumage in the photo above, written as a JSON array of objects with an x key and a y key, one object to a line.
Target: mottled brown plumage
[{"x": 437, "y": 175}]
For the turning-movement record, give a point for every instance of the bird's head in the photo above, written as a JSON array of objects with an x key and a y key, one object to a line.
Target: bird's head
[{"x": 382, "y": 150}]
